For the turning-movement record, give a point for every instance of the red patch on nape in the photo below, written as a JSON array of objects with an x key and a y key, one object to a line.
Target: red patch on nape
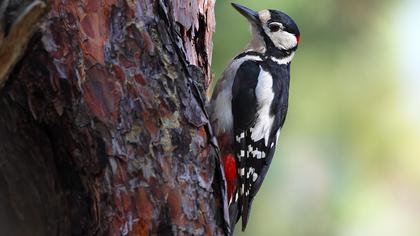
[
  {"x": 298, "y": 39},
  {"x": 230, "y": 173}
]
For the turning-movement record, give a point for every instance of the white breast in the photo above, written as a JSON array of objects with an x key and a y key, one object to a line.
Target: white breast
[{"x": 221, "y": 102}]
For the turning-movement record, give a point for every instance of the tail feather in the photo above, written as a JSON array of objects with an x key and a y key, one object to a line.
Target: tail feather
[
  {"x": 233, "y": 215},
  {"x": 238, "y": 209},
  {"x": 246, "y": 211}
]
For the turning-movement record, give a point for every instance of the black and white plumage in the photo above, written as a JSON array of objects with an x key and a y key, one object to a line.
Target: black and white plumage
[{"x": 249, "y": 105}]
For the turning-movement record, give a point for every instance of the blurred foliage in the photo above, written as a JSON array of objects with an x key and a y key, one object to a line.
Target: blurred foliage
[{"x": 348, "y": 162}]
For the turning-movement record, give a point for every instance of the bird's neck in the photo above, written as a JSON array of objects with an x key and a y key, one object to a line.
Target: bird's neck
[
  {"x": 257, "y": 43},
  {"x": 261, "y": 43},
  {"x": 266, "y": 49}
]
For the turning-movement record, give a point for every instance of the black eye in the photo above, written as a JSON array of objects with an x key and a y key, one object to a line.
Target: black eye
[{"x": 274, "y": 27}]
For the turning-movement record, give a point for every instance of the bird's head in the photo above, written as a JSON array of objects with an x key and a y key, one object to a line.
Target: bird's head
[{"x": 272, "y": 31}]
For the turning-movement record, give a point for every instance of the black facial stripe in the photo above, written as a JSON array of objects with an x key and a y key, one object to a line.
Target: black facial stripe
[{"x": 279, "y": 54}]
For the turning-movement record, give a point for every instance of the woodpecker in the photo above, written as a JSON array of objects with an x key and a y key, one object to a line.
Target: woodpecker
[{"x": 249, "y": 105}]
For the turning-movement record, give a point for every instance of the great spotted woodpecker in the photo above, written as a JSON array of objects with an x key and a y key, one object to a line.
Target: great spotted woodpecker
[{"x": 249, "y": 106}]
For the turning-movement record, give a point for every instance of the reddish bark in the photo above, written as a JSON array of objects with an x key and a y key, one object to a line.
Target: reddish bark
[{"x": 105, "y": 113}]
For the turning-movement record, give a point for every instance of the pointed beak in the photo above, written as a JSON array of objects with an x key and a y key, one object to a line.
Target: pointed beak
[{"x": 251, "y": 15}]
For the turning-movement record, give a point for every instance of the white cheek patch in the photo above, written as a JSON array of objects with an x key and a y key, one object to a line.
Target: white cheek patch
[
  {"x": 287, "y": 39},
  {"x": 282, "y": 39}
]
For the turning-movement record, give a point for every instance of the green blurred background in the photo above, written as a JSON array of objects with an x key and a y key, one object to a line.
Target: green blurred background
[{"x": 348, "y": 162}]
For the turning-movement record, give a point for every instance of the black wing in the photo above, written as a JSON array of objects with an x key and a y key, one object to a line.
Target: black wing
[
  {"x": 253, "y": 157},
  {"x": 244, "y": 108}
]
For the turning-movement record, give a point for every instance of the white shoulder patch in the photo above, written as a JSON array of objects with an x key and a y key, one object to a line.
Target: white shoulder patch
[{"x": 265, "y": 95}]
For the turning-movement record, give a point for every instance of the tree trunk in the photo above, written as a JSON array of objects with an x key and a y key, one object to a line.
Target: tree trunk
[{"x": 103, "y": 129}]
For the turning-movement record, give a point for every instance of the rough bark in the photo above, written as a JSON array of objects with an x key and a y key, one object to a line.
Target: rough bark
[
  {"x": 17, "y": 23},
  {"x": 103, "y": 129}
]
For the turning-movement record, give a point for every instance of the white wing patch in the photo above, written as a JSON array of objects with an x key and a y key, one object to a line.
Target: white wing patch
[
  {"x": 240, "y": 137},
  {"x": 254, "y": 177},
  {"x": 242, "y": 171},
  {"x": 257, "y": 153},
  {"x": 250, "y": 172},
  {"x": 265, "y": 95}
]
